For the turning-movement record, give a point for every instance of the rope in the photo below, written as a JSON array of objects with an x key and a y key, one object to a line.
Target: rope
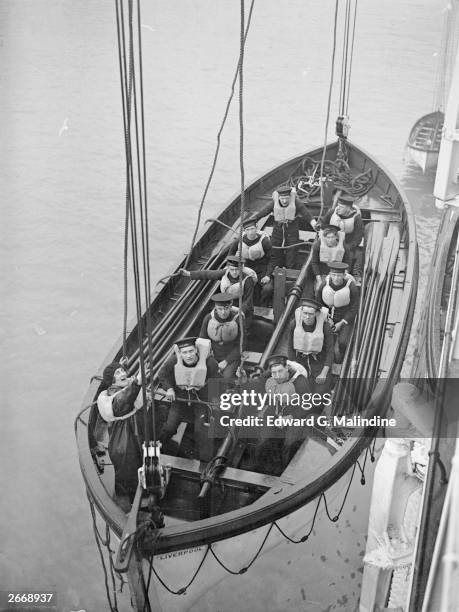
[
  {"x": 113, "y": 605},
  {"x": 242, "y": 172},
  {"x": 330, "y": 90},
  {"x": 220, "y": 131},
  {"x": 351, "y": 57},
  {"x": 245, "y": 568}
]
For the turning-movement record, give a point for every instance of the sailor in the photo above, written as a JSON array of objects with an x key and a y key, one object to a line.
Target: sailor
[
  {"x": 184, "y": 377},
  {"x": 329, "y": 246},
  {"x": 229, "y": 283},
  {"x": 285, "y": 383},
  {"x": 119, "y": 405},
  {"x": 222, "y": 327},
  {"x": 287, "y": 210},
  {"x": 256, "y": 251},
  {"x": 256, "y": 248},
  {"x": 339, "y": 293},
  {"x": 347, "y": 216},
  {"x": 311, "y": 343}
]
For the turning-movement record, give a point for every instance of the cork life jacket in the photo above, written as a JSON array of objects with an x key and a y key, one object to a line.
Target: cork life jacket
[
  {"x": 346, "y": 224},
  {"x": 336, "y": 253},
  {"x": 105, "y": 405},
  {"x": 337, "y": 298},
  {"x": 226, "y": 286},
  {"x": 192, "y": 377},
  {"x": 254, "y": 251},
  {"x": 309, "y": 342},
  {"x": 284, "y": 214},
  {"x": 277, "y": 390},
  {"x": 223, "y": 331}
]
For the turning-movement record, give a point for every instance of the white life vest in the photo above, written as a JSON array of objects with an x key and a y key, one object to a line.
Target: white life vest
[
  {"x": 226, "y": 286},
  {"x": 275, "y": 388},
  {"x": 309, "y": 342},
  {"x": 336, "y": 253},
  {"x": 337, "y": 298},
  {"x": 254, "y": 251},
  {"x": 223, "y": 331},
  {"x": 192, "y": 377},
  {"x": 284, "y": 214},
  {"x": 105, "y": 407},
  {"x": 346, "y": 224}
]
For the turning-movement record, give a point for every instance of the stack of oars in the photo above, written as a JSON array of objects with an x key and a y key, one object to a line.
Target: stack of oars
[{"x": 361, "y": 365}]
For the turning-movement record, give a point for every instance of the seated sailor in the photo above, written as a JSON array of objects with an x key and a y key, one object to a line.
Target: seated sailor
[
  {"x": 184, "y": 377},
  {"x": 339, "y": 293},
  {"x": 311, "y": 343},
  {"x": 229, "y": 283},
  {"x": 222, "y": 326},
  {"x": 256, "y": 251},
  {"x": 119, "y": 405},
  {"x": 328, "y": 247},
  {"x": 287, "y": 211},
  {"x": 286, "y": 382},
  {"x": 346, "y": 215}
]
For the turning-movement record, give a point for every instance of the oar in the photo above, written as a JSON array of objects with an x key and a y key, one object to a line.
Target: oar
[
  {"x": 374, "y": 361},
  {"x": 374, "y": 239},
  {"x": 375, "y": 322}
]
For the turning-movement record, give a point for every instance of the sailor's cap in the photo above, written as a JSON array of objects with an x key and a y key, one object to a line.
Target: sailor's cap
[
  {"x": 234, "y": 261},
  {"x": 222, "y": 298},
  {"x": 338, "y": 266},
  {"x": 284, "y": 190},
  {"x": 277, "y": 359},
  {"x": 330, "y": 229},
  {"x": 346, "y": 199},
  {"x": 249, "y": 223},
  {"x": 311, "y": 303},
  {"x": 184, "y": 342}
]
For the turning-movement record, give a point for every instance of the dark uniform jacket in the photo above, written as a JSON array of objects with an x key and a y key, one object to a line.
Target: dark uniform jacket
[
  {"x": 123, "y": 447},
  {"x": 348, "y": 312},
  {"x": 285, "y": 234},
  {"x": 247, "y": 294},
  {"x": 319, "y": 267},
  {"x": 228, "y": 351},
  {"x": 258, "y": 265},
  {"x": 353, "y": 239},
  {"x": 166, "y": 377},
  {"x": 324, "y": 358}
]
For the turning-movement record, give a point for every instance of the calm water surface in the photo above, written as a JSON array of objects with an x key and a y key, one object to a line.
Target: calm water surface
[{"x": 62, "y": 211}]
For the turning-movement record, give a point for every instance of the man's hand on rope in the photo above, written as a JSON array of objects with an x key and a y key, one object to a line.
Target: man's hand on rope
[
  {"x": 184, "y": 272},
  {"x": 265, "y": 280}
]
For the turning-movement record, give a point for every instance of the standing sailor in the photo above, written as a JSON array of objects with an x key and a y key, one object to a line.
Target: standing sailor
[
  {"x": 184, "y": 377},
  {"x": 119, "y": 406},
  {"x": 339, "y": 293},
  {"x": 229, "y": 283},
  {"x": 347, "y": 216},
  {"x": 222, "y": 327},
  {"x": 287, "y": 211},
  {"x": 311, "y": 344}
]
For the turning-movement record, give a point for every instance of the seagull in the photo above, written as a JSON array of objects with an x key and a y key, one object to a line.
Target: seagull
[
  {"x": 144, "y": 25},
  {"x": 65, "y": 126}
]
